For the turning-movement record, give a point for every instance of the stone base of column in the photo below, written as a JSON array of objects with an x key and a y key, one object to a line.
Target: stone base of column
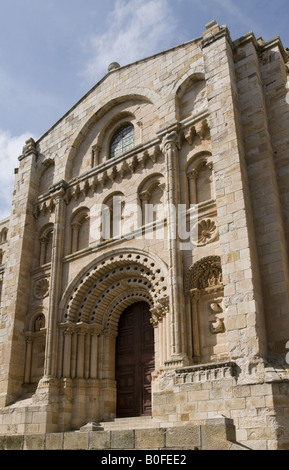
[
  {"x": 176, "y": 361},
  {"x": 47, "y": 391}
]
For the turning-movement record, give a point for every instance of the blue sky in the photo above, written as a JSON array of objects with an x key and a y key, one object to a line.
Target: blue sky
[{"x": 53, "y": 51}]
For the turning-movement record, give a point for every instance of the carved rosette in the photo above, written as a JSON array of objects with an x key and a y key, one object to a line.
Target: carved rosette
[
  {"x": 207, "y": 231},
  {"x": 41, "y": 288}
]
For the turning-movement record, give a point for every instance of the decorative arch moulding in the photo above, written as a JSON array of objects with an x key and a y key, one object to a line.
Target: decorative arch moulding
[
  {"x": 92, "y": 294},
  {"x": 205, "y": 274}
]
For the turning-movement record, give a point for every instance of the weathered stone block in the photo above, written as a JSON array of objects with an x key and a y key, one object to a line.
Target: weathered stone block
[
  {"x": 149, "y": 438},
  {"x": 217, "y": 434},
  {"x": 75, "y": 441},
  {"x": 99, "y": 440},
  {"x": 186, "y": 437},
  {"x": 122, "y": 439},
  {"x": 14, "y": 443},
  {"x": 54, "y": 441},
  {"x": 34, "y": 442}
]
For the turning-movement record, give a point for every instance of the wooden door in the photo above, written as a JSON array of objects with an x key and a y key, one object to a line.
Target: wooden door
[{"x": 134, "y": 361}]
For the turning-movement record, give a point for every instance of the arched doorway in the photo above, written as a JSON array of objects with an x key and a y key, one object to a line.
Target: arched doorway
[{"x": 134, "y": 361}]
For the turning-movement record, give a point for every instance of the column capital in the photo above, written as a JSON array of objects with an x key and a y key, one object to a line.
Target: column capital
[
  {"x": 171, "y": 140},
  {"x": 59, "y": 189},
  {"x": 159, "y": 311}
]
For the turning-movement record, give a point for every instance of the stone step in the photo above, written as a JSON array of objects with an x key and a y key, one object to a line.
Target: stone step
[{"x": 139, "y": 422}]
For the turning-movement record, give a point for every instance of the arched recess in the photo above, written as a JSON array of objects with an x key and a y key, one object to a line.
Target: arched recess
[
  {"x": 44, "y": 245},
  {"x": 91, "y": 137},
  {"x": 191, "y": 96},
  {"x": 35, "y": 336},
  {"x": 112, "y": 216},
  {"x": 46, "y": 175},
  {"x": 200, "y": 179},
  {"x": 204, "y": 292},
  {"x": 79, "y": 230},
  {"x": 151, "y": 198},
  {"x": 92, "y": 305}
]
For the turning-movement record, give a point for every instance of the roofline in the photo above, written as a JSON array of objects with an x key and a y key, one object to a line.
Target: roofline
[
  {"x": 110, "y": 73},
  {"x": 249, "y": 36}
]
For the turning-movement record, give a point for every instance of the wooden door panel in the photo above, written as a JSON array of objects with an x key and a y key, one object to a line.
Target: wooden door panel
[{"x": 134, "y": 361}]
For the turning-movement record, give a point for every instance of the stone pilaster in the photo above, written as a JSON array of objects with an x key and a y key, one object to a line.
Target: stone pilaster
[
  {"x": 262, "y": 166},
  {"x": 242, "y": 290},
  {"x": 16, "y": 283}
]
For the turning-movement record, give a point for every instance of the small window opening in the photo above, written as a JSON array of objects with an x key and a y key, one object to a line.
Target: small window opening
[{"x": 122, "y": 141}]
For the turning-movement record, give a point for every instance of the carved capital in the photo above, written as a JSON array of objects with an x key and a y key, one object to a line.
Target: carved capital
[
  {"x": 171, "y": 141},
  {"x": 159, "y": 311},
  {"x": 195, "y": 295}
]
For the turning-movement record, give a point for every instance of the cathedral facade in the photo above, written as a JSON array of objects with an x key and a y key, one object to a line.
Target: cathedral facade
[{"x": 144, "y": 266}]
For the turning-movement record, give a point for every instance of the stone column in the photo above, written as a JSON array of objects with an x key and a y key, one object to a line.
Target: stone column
[
  {"x": 193, "y": 197},
  {"x": 170, "y": 148},
  {"x": 29, "y": 346},
  {"x": 67, "y": 352},
  {"x": 50, "y": 366},
  {"x": 194, "y": 296},
  {"x": 94, "y": 355},
  {"x": 74, "y": 236},
  {"x": 42, "y": 255}
]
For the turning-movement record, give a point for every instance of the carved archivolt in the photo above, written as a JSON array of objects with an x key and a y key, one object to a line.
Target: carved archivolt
[
  {"x": 204, "y": 274},
  {"x": 121, "y": 278}
]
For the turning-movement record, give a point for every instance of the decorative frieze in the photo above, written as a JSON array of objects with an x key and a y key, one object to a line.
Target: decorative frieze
[
  {"x": 205, "y": 372},
  {"x": 99, "y": 178}
]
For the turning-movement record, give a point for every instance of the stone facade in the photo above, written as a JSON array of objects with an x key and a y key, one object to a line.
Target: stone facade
[{"x": 199, "y": 133}]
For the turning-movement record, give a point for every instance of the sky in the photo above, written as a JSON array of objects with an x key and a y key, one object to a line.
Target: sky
[{"x": 52, "y": 52}]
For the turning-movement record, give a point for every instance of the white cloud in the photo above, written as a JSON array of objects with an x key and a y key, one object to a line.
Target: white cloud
[
  {"x": 10, "y": 149},
  {"x": 136, "y": 29}
]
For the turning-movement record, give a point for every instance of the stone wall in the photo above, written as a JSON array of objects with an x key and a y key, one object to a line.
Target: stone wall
[
  {"x": 258, "y": 409},
  {"x": 210, "y": 120},
  {"x": 215, "y": 434}
]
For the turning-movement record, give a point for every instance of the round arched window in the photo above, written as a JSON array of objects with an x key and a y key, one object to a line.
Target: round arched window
[{"x": 122, "y": 141}]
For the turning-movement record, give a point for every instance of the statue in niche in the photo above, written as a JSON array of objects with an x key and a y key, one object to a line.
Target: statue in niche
[{"x": 39, "y": 323}]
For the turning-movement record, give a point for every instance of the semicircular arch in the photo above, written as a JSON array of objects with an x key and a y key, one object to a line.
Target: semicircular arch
[
  {"x": 89, "y": 295},
  {"x": 142, "y": 96}
]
